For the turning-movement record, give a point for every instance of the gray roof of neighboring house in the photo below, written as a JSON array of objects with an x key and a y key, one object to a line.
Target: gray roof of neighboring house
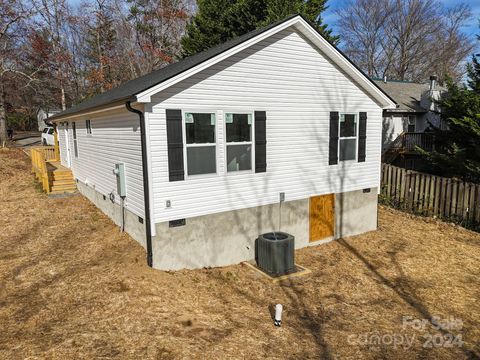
[
  {"x": 406, "y": 94},
  {"x": 129, "y": 89}
]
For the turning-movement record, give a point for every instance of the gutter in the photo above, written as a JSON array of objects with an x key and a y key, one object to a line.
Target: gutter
[{"x": 146, "y": 191}]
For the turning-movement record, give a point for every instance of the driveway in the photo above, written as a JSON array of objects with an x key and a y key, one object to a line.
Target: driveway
[{"x": 27, "y": 138}]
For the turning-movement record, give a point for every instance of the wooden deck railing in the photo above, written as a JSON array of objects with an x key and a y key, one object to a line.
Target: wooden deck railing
[
  {"x": 423, "y": 140},
  {"x": 40, "y": 156},
  {"x": 406, "y": 143}
]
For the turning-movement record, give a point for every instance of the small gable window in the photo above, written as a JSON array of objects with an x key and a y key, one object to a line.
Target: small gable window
[{"x": 348, "y": 137}]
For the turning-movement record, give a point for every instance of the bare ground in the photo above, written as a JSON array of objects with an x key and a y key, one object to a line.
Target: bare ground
[{"x": 72, "y": 286}]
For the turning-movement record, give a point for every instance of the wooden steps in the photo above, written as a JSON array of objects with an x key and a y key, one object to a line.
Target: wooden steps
[{"x": 60, "y": 179}]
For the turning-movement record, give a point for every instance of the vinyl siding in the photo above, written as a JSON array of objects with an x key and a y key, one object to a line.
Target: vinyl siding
[
  {"x": 115, "y": 138},
  {"x": 297, "y": 87}
]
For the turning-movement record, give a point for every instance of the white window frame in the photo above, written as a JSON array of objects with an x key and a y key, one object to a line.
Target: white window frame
[
  {"x": 75, "y": 140},
  {"x": 251, "y": 142},
  {"x": 88, "y": 127},
  {"x": 185, "y": 145},
  {"x": 348, "y": 137}
]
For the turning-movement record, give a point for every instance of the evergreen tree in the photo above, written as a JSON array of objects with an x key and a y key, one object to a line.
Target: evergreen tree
[
  {"x": 312, "y": 10},
  {"x": 220, "y": 20},
  {"x": 457, "y": 151},
  {"x": 473, "y": 72}
]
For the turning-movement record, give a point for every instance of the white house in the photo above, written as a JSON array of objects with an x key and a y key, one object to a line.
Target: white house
[
  {"x": 44, "y": 114},
  {"x": 415, "y": 111},
  {"x": 211, "y": 144}
]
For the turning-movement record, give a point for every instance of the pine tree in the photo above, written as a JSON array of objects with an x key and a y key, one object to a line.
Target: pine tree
[
  {"x": 312, "y": 10},
  {"x": 473, "y": 72},
  {"x": 457, "y": 152},
  {"x": 457, "y": 149},
  {"x": 220, "y": 20}
]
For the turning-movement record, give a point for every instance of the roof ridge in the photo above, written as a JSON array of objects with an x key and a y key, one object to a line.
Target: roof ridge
[{"x": 129, "y": 89}]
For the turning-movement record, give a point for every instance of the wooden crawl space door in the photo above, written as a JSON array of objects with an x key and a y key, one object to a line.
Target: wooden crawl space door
[{"x": 322, "y": 217}]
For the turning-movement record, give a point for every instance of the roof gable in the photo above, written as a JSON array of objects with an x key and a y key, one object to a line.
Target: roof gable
[{"x": 141, "y": 89}]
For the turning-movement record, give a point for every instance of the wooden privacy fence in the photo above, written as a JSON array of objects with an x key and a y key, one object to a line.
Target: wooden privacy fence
[
  {"x": 431, "y": 195},
  {"x": 40, "y": 156}
]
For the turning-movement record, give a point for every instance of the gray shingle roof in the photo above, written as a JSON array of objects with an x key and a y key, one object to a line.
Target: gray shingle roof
[
  {"x": 129, "y": 89},
  {"x": 406, "y": 94}
]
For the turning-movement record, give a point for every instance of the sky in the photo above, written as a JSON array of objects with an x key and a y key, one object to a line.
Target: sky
[
  {"x": 471, "y": 29},
  {"x": 330, "y": 18}
]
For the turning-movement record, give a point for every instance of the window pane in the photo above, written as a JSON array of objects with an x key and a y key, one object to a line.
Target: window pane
[
  {"x": 239, "y": 157},
  {"x": 50, "y": 131},
  {"x": 348, "y": 149},
  {"x": 348, "y": 125},
  {"x": 200, "y": 128},
  {"x": 201, "y": 160},
  {"x": 239, "y": 127}
]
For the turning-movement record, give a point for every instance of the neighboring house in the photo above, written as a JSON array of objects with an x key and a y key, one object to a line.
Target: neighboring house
[
  {"x": 42, "y": 115},
  {"x": 212, "y": 143},
  {"x": 404, "y": 127}
]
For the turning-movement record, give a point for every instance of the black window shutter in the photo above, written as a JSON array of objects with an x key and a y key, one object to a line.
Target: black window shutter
[
  {"x": 333, "y": 143},
  {"x": 260, "y": 141},
  {"x": 175, "y": 145},
  {"x": 362, "y": 136}
]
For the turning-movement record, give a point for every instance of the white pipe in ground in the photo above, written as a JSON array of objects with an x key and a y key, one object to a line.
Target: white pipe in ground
[{"x": 278, "y": 314}]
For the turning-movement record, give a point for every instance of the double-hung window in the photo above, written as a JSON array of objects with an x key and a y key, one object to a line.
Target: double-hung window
[
  {"x": 348, "y": 137},
  {"x": 239, "y": 141},
  {"x": 201, "y": 146}
]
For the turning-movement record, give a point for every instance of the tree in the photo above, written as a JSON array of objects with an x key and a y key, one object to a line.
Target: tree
[
  {"x": 405, "y": 40},
  {"x": 100, "y": 43},
  {"x": 450, "y": 47},
  {"x": 312, "y": 10},
  {"x": 54, "y": 17},
  {"x": 13, "y": 14},
  {"x": 362, "y": 29},
  {"x": 473, "y": 72},
  {"x": 158, "y": 26},
  {"x": 217, "y": 21},
  {"x": 458, "y": 148}
]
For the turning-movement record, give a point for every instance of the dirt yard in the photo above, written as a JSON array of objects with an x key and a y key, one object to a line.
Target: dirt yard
[{"x": 72, "y": 286}]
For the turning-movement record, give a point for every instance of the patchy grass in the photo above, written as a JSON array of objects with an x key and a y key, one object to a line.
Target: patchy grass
[{"x": 72, "y": 286}]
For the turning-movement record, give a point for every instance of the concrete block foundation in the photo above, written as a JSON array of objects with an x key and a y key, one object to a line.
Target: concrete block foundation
[
  {"x": 228, "y": 238},
  {"x": 114, "y": 211}
]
